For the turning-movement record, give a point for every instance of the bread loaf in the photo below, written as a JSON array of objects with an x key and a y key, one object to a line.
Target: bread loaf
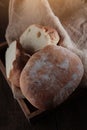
[
  {"x": 15, "y": 61},
  {"x": 36, "y": 37},
  {"x": 50, "y": 76}
]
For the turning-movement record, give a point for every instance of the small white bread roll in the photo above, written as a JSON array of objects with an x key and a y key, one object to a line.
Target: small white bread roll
[
  {"x": 15, "y": 62},
  {"x": 50, "y": 76},
  {"x": 36, "y": 37}
]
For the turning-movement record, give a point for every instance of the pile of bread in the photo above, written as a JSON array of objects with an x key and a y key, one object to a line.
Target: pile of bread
[{"x": 46, "y": 73}]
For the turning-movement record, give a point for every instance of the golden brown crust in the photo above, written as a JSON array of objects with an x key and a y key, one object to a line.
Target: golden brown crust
[
  {"x": 49, "y": 30},
  {"x": 50, "y": 76}
]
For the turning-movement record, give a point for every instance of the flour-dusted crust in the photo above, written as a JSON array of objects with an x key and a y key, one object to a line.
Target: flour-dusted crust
[
  {"x": 35, "y": 37},
  {"x": 50, "y": 76}
]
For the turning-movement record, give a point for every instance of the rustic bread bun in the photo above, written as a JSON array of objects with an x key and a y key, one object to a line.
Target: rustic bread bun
[
  {"x": 15, "y": 62},
  {"x": 36, "y": 37},
  {"x": 50, "y": 76}
]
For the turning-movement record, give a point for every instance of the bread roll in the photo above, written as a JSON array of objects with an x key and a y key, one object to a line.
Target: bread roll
[
  {"x": 50, "y": 76},
  {"x": 36, "y": 37},
  {"x": 15, "y": 61}
]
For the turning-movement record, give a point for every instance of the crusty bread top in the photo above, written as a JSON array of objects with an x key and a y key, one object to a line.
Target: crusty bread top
[
  {"x": 50, "y": 76},
  {"x": 36, "y": 37}
]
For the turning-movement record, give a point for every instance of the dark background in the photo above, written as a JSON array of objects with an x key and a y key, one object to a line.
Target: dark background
[
  {"x": 3, "y": 18},
  {"x": 71, "y": 115}
]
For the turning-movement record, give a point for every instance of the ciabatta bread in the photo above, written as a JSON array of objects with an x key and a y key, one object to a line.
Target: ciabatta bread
[
  {"x": 50, "y": 76},
  {"x": 35, "y": 37}
]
